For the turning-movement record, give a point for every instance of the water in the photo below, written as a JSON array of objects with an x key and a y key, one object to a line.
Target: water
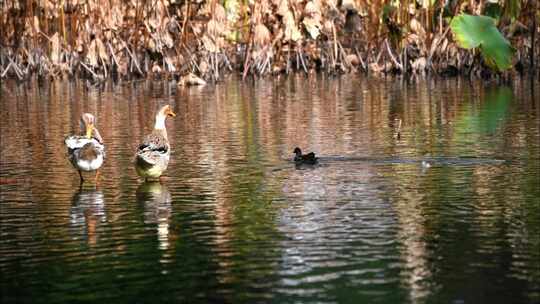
[{"x": 234, "y": 221}]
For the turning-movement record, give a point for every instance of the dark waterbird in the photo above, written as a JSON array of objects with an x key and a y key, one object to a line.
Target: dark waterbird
[{"x": 308, "y": 159}]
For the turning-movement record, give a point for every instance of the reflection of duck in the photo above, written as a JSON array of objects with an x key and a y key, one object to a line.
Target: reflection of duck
[
  {"x": 300, "y": 158},
  {"x": 398, "y": 129},
  {"x": 156, "y": 199},
  {"x": 87, "y": 152},
  {"x": 152, "y": 156},
  {"x": 87, "y": 211}
]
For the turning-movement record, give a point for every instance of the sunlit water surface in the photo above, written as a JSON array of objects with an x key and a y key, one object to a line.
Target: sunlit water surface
[{"x": 234, "y": 221}]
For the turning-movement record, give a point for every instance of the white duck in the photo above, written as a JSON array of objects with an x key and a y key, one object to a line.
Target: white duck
[
  {"x": 152, "y": 157},
  {"x": 87, "y": 152}
]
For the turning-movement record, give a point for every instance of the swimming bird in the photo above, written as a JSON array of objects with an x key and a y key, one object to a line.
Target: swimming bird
[
  {"x": 152, "y": 157},
  {"x": 308, "y": 159},
  {"x": 87, "y": 152}
]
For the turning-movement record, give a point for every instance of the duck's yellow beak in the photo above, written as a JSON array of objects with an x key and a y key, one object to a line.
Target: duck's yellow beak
[
  {"x": 89, "y": 129},
  {"x": 170, "y": 112}
]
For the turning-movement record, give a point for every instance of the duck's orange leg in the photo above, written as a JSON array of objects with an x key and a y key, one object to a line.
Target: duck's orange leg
[{"x": 97, "y": 177}]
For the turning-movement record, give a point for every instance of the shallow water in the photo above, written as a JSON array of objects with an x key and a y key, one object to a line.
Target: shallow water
[{"x": 235, "y": 221}]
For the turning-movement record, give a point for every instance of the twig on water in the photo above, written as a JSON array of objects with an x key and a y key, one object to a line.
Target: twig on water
[
  {"x": 227, "y": 62},
  {"x": 344, "y": 56},
  {"x": 360, "y": 58},
  {"x": 6, "y": 70},
  {"x": 392, "y": 55},
  {"x": 112, "y": 54},
  {"x": 185, "y": 22},
  {"x": 437, "y": 44},
  {"x": 89, "y": 70},
  {"x": 16, "y": 69},
  {"x": 135, "y": 62},
  {"x": 302, "y": 61}
]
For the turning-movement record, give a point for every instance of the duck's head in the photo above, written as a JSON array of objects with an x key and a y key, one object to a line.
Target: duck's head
[
  {"x": 297, "y": 151},
  {"x": 88, "y": 124},
  {"x": 163, "y": 112},
  {"x": 166, "y": 111}
]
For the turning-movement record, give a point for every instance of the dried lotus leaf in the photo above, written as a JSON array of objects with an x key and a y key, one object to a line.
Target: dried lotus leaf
[
  {"x": 353, "y": 59},
  {"x": 261, "y": 35},
  {"x": 191, "y": 79},
  {"x": 122, "y": 65},
  {"x": 55, "y": 48},
  {"x": 102, "y": 52},
  {"x": 203, "y": 67},
  {"x": 36, "y": 24},
  {"x": 419, "y": 64},
  {"x": 168, "y": 40},
  {"x": 444, "y": 45},
  {"x": 312, "y": 8},
  {"x": 417, "y": 28},
  {"x": 209, "y": 44},
  {"x": 283, "y": 8},
  {"x": 219, "y": 13},
  {"x": 213, "y": 27},
  {"x": 312, "y": 26},
  {"x": 328, "y": 27},
  {"x": 91, "y": 55},
  {"x": 197, "y": 28},
  {"x": 156, "y": 68},
  {"x": 151, "y": 45},
  {"x": 291, "y": 30}
]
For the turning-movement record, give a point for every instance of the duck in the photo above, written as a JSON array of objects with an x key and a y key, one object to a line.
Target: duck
[
  {"x": 308, "y": 159},
  {"x": 86, "y": 152},
  {"x": 152, "y": 156}
]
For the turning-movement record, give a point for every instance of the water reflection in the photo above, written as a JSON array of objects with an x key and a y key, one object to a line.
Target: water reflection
[
  {"x": 87, "y": 213},
  {"x": 156, "y": 201},
  {"x": 329, "y": 209},
  {"x": 369, "y": 224}
]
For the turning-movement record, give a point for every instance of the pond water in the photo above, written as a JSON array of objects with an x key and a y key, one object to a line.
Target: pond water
[{"x": 235, "y": 221}]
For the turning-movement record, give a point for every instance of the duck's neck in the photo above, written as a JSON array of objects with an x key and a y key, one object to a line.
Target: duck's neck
[
  {"x": 160, "y": 122},
  {"x": 160, "y": 125}
]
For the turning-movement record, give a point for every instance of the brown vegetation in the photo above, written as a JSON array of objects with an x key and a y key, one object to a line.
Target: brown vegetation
[{"x": 130, "y": 38}]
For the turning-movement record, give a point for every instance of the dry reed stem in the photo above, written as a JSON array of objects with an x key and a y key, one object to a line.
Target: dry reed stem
[{"x": 170, "y": 28}]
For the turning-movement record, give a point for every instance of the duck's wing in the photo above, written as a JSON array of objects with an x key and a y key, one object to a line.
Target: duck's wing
[
  {"x": 89, "y": 152},
  {"x": 154, "y": 142},
  {"x": 75, "y": 142},
  {"x": 154, "y": 147},
  {"x": 310, "y": 156},
  {"x": 85, "y": 153}
]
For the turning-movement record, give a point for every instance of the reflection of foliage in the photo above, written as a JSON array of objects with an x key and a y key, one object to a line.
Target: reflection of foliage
[
  {"x": 492, "y": 113},
  {"x": 495, "y": 109},
  {"x": 251, "y": 198},
  {"x": 487, "y": 119}
]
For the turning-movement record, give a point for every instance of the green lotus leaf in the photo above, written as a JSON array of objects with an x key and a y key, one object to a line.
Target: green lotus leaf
[{"x": 481, "y": 32}]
